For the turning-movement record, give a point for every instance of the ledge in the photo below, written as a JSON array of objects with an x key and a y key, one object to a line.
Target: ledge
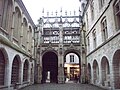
[
  {"x": 6, "y": 41},
  {"x": 104, "y": 43}
]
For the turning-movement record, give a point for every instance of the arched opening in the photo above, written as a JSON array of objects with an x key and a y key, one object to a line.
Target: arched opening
[
  {"x": 50, "y": 67},
  {"x": 15, "y": 70},
  {"x": 25, "y": 35},
  {"x": 2, "y": 67},
  {"x": 31, "y": 73},
  {"x": 17, "y": 25},
  {"x": 116, "y": 69},
  {"x": 72, "y": 67},
  {"x": 8, "y": 15},
  {"x": 89, "y": 72},
  {"x": 105, "y": 72},
  {"x": 25, "y": 71},
  {"x": 95, "y": 72}
]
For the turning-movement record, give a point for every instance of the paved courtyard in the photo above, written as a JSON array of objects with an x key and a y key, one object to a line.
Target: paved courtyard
[{"x": 68, "y": 86}]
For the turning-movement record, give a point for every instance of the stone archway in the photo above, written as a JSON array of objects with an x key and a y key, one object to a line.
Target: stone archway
[
  {"x": 72, "y": 65},
  {"x": 95, "y": 72},
  {"x": 2, "y": 67},
  {"x": 105, "y": 70},
  {"x": 25, "y": 70},
  {"x": 50, "y": 67},
  {"x": 116, "y": 69},
  {"x": 89, "y": 73},
  {"x": 15, "y": 70}
]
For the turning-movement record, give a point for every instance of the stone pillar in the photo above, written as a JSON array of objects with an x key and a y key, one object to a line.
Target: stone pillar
[
  {"x": 60, "y": 68},
  {"x": 60, "y": 56},
  {"x": 38, "y": 63}
]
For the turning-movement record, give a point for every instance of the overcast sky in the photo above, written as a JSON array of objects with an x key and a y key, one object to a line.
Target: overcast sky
[{"x": 35, "y": 7}]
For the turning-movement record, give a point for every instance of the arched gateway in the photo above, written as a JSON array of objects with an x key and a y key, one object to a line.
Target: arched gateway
[
  {"x": 50, "y": 67},
  {"x": 59, "y": 35}
]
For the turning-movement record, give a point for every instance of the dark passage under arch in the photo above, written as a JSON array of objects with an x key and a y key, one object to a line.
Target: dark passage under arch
[{"x": 50, "y": 64}]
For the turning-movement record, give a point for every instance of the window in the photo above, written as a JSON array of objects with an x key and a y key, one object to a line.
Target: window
[
  {"x": 104, "y": 29},
  {"x": 25, "y": 28},
  {"x": 101, "y": 3},
  {"x": 71, "y": 58},
  {"x": 94, "y": 38},
  {"x": 117, "y": 13},
  {"x": 88, "y": 44},
  {"x": 92, "y": 9},
  {"x": 17, "y": 24}
]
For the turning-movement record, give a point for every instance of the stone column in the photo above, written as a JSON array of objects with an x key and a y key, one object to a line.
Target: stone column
[
  {"x": 60, "y": 67},
  {"x": 60, "y": 56},
  {"x": 38, "y": 71},
  {"x": 83, "y": 57}
]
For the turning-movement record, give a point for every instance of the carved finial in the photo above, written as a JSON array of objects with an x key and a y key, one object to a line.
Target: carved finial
[
  {"x": 74, "y": 12},
  {"x": 52, "y": 13},
  {"x": 56, "y": 12},
  {"x": 70, "y": 12},
  {"x": 61, "y": 11},
  {"x": 47, "y": 13},
  {"x": 66, "y": 13},
  {"x": 43, "y": 12}
]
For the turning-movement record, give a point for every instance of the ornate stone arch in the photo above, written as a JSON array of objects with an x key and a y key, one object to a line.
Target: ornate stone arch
[
  {"x": 25, "y": 31},
  {"x": 4, "y": 62},
  {"x": 105, "y": 70},
  {"x": 16, "y": 68},
  {"x": 77, "y": 52},
  {"x": 95, "y": 72},
  {"x": 116, "y": 69},
  {"x": 26, "y": 70},
  {"x": 17, "y": 24}
]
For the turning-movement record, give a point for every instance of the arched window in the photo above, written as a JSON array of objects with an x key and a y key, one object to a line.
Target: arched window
[
  {"x": 17, "y": 25},
  {"x": 104, "y": 29},
  {"x": 25, "y": 29},
  {"x": 116, "y": 8},
  {"x": 25, "y": 71},
  {"x": 1, "y": 11},
  {"x": 29, "y": 40},
  {"x": 2, "y": 68},
  {"x": 7, "y": 17},
  {"x": 15, "y": 70}
]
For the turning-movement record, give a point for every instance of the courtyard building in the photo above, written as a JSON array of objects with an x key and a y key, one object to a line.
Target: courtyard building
[
  {"x": 101, "y": 20},
  {"x": 59, "y": 35},
  {"x": 16, "y": 45},
  {"x": 64, "y": 46}
]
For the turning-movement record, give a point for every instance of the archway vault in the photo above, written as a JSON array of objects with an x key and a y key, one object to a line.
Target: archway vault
[
  {"x": 49, "y": 67},
  {"x": 72, "y": 64}
]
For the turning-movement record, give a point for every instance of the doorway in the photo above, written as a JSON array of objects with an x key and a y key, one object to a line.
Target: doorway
[{"x": 50, "y": 67}]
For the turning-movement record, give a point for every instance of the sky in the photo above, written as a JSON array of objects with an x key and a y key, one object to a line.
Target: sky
[{"x": 35, "y": 7}]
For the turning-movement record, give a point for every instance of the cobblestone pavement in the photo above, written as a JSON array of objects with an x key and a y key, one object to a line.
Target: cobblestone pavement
[{"x": 68, "y": 86}]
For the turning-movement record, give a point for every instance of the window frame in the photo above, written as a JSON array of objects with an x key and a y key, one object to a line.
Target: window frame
[{"x": 104, "y": 29}]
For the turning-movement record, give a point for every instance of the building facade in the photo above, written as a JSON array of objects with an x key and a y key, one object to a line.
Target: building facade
[
  {"x": 16, "y": 45},
  {"x": 101, "y": 21},
  {"x": 59, "y": 35}
]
